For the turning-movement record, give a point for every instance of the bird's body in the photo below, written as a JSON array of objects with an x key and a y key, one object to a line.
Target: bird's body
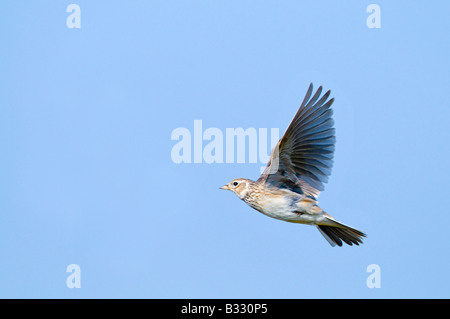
[
  {"x": 299, "y": 165},
  {"x": 282, "y": 204}
]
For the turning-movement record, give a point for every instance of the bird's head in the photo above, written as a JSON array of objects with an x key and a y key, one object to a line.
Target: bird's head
[{"x": 239, "y": 186}]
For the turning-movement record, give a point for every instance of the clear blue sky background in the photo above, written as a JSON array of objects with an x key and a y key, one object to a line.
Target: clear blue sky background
[{"x": 86, "y": 175}]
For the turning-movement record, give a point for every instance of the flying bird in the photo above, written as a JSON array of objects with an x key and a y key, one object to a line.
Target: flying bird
[{"x": 299, "y": 165}]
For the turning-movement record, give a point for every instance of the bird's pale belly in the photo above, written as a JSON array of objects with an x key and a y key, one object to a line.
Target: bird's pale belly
[{"x": 298, "y": 210}]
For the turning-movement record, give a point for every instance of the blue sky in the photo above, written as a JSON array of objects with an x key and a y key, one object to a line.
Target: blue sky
[{"x": 87, "y": 176}]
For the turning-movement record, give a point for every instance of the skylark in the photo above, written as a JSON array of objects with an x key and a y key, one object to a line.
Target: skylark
[{"x": 299, "y": 166}]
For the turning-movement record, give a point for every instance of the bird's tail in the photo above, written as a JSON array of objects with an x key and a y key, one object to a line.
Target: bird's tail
[{"x": 336, "y": 233}]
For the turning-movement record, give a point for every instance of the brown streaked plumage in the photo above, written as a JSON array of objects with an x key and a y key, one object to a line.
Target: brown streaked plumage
[{"x": 299, "y": 166}]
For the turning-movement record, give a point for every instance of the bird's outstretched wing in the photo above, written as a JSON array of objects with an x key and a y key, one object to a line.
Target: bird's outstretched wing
[{"x": 303, "y": 158}]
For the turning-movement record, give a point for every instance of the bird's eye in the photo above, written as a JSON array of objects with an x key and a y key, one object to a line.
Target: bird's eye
[{"x": 235, "y": 183}]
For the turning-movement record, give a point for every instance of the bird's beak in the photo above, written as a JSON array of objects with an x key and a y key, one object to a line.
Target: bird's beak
[{"x": 225, "y": 187}]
